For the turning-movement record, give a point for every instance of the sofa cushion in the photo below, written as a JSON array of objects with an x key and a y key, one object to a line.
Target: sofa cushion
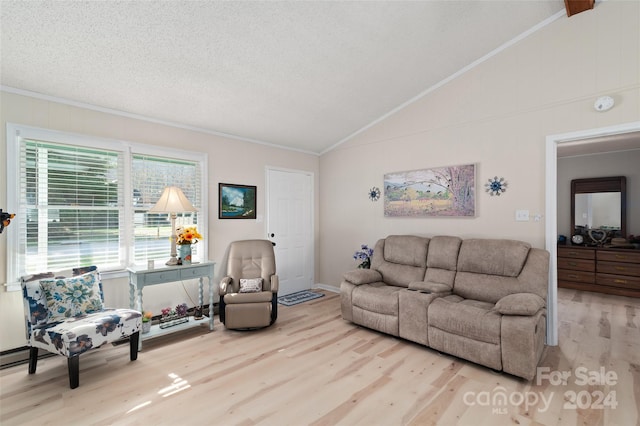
[
  {"x": 377, "y": 297},
  {"x": 443, "y": 252},
  {"x": 430, "y": 287},
  {"x": 407, "y": 250},
  {"x": 493, "y": 257},
  {"x": 520, "y": 304},
  {"x": 362, "y": 276},
  {"x": 255, "y": 297},
  {"x": 72, "y": 297},
  {"x": 398, "y": 260},
  {"x": 469, "y": 318},
  {"x": 76, "y": 335},
  {"x": 250, "y": 285},
  {"x": 488, "y": 288}
]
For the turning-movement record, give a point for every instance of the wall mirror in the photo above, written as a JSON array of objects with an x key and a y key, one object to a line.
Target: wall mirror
[{"x": 598, "y": 207}]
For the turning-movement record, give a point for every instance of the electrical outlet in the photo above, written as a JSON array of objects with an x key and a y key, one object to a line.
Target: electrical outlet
[{"x": 522, "y": 215}]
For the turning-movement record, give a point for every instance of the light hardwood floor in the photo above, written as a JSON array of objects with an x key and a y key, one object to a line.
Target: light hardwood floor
[{"x": 313, "y": 368}]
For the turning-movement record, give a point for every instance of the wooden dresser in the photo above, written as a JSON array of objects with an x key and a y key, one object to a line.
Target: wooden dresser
[{"x": 602, "y": 270}]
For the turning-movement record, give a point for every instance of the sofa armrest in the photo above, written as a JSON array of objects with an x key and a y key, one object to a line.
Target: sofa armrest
[
  {"x": 275, "y": 284},
  {"x": 224, "y": 285},
  {"x": 430, "y": 287},
  {"x": 362, "y": 276},
  {"x": 525, "y": 304}
]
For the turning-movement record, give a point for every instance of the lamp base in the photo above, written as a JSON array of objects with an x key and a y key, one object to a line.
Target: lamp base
[{"x": 172, "y": 262}]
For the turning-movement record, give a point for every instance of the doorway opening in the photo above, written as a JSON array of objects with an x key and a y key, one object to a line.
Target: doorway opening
[{"x": 595, "y": 138}]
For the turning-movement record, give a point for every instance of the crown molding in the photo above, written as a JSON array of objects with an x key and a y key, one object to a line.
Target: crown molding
[{"x": 140, "y": 117}]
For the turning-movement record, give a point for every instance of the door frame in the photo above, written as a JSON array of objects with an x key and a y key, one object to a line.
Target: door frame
[
  {"x": 312, "y": 209},
  {"x": 551, "y": 209}
]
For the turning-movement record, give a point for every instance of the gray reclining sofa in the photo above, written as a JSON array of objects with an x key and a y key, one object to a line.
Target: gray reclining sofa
[{"x": 483, "y": 300}]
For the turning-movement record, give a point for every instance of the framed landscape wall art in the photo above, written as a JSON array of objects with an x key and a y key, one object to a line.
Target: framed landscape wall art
[
  {"x": 236, "y": 201},
  {"x": 437, "y": 192}
]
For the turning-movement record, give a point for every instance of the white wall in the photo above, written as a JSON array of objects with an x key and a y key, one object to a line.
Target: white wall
[
  {"x": 230, "y": 161},
  {"x": 625, "y": 163},
  {"x": 497, "y": 116}
]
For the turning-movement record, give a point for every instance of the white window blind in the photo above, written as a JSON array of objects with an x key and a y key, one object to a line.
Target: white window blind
[
  {"x": 72, "y": 200},
  {"x": 150, "y": 175}
]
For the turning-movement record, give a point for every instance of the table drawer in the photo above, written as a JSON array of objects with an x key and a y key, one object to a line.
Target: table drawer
[
  {"x": 196, "y": 272},
  {"x": 575, "y": 253},
  {"x": 577, "y": 276},
  {"x": 159, "y": 277},
  {"x": 616, "y": 256},
  {"x": 619, "y": 268},
  {"x": 619, "y": 281},
  {"x": 576, "y": 264}
]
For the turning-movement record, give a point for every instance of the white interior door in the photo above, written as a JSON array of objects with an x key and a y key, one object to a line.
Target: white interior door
[{"x": 289, "y": 225}]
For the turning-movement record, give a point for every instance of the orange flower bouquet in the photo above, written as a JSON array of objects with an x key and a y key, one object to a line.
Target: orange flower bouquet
[{"x": 188, "y": 235}]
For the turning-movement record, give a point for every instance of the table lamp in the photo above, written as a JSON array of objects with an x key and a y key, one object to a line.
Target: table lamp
[{"x": 173, "y": 201}]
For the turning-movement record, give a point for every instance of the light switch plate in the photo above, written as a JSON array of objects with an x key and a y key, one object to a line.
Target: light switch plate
[{"x": 522, "y": 215}]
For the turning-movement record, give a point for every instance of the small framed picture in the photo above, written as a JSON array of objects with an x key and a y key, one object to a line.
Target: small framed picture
[{"x": 236, "y": 201}]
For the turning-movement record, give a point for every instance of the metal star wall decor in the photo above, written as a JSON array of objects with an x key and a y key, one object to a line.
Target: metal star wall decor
[
  {"x": 496, "y": 186},
  {"x": 374, "y": 194}
]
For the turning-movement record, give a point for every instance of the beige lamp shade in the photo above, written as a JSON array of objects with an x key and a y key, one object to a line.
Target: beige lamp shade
[{"x": 172, "y": 200}]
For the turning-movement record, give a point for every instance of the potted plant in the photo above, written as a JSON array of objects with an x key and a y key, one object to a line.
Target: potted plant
[
  {"x": 364, "y": 256},
  {"x": 146, "y": 321},
  {"x": 171, "y": 317},
  {"x": 186, "y": 237}
]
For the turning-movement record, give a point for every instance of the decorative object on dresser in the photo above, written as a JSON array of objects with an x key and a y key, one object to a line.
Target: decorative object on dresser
[
  {"x": 598, "y": 210},
  {"x": 603, "y": 270}
]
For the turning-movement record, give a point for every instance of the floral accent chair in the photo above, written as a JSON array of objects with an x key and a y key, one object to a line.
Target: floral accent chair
[{"x": 66, "y": 316}]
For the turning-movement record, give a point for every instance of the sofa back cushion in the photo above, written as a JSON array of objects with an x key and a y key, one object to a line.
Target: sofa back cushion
[
  {"x": 488, "y": 269},
  {"x": 406, "y": 250},
  {"x": 494, "y": 257},
  {"x": 442, "y": 260},
  {"x": 401, "y": 259}
]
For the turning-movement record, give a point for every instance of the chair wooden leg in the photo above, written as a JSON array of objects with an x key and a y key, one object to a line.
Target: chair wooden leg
[
  {"x": 274, "y": 307},
  {"x": 134, "y": 339},
  {"x": 74, "y": 371},
  {"x": 221, "y": 310},
  {"x": 33, "y": 359}
]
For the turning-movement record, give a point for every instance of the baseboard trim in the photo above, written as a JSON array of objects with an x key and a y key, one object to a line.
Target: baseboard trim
[
  {"x": 19, "y": 356},
  {"x": 327, "y": 287}
]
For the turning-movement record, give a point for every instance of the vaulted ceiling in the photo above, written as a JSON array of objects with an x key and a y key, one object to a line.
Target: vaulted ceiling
[{"x": 305, "y": 75}]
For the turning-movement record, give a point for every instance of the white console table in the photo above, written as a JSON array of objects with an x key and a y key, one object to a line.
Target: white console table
[{"x": 140, "y": 276}]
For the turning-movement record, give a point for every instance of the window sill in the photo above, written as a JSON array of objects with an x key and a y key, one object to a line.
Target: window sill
[{"x": 12, "y": 287}]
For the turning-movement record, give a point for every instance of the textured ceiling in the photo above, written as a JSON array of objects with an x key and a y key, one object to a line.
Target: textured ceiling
[{"x": 304, "y": 75}]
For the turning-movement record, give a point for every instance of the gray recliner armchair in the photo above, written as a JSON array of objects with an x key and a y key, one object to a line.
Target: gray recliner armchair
[{"x": 249, "y": 291}]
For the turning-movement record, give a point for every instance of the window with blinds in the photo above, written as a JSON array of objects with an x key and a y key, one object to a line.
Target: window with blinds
[
  {"x": 149, "y": 176},
  {"x": 86, "y": 202}
]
